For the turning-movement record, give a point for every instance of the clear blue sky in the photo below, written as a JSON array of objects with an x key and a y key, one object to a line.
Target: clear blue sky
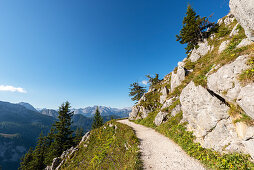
[{"x": 89, "y": 51}]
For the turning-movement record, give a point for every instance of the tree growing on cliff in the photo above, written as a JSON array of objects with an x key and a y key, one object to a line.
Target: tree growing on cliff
[
  {"x": 136, "y": 91},
  {"x": 153, "y": 80},
  {"x": 194, "y": 29},
  {"x": 97, "y": 120}
]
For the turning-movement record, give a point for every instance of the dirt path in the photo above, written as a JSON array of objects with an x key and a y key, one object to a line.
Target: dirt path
[{"x": 159, "y": 152}]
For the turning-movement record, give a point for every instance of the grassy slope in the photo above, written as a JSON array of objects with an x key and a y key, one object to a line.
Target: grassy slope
[
  {"x": 175, "y": 130},
  {"x": 108, "y": 147}
]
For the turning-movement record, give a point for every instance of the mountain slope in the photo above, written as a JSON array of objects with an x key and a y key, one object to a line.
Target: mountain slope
[
  {"x": 19, "y": 129},
  {"x": 206, "y": 104},
  {"x": 113, "y": 146}
]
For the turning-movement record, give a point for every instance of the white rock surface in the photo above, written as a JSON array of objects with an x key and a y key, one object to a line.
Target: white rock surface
[
  {"x": 245, "y": 99},
  {"x": 243, "y": 11},
  {"x": 201, "y": 110},
  {"x": 164, "y": 93},
  {"x": 229, "y": 19},
  {"x": 234, "y": 31},
  {"x": 244, "y": 42},
  {"x": 223, "y": 46},
  {"x": 202, "y": 50},
  {"x": 178, "y": 77},
  {"x": 226, "y": 78}
]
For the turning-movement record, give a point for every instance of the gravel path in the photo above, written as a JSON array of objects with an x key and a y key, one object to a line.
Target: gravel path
[{"x": 159, "y": 152}]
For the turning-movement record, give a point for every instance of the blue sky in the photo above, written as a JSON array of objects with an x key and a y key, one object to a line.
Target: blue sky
[{"x": 89, "y": 51}]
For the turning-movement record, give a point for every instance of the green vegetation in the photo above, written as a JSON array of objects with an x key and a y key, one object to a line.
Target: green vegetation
[
  {"x": 247, "y": 76},
  {"x": 194, "y": 29},
  {"x": 223, "y": 31},
  {"x": 97, "y": 120},
  {"x": 136, "y": 91},
  {"x": 152, "y": 101},
  {"x": 113, "y": 146},
  {"x": 176, "y": 131},
  {"x": 59, "y": 139},
  {"x": 239, "y": 115},
  {"x": 153, "y": 81}
]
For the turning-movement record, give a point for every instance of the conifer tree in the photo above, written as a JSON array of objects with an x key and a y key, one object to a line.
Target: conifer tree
[
  {"x": 26, "y": 160},
  {"x": 136, "y": 91},
  {"x": 194, "y": 29},
  {"x": 63, "y": 138},
  {"x": 153, "y": 80},
  {"x": 39, "y": 153},
  {"x": 97, "y": 120}
]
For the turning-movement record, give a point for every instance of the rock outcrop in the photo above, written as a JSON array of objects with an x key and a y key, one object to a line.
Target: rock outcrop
[
  {"x": 243, "y": 11},
  {"x": 245, "y": 99},
  {"x": 201, "y": 110},
  {"x": 203, "y": 49},
  {"x": 179, "y": 76},
  {"x": 225, "y": 80}
]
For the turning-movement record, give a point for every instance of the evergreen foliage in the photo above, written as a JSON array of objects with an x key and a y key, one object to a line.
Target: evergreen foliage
[
  {"x": 97, "y": 120},
  {"x": 194, "y": 29},
  {"x": 59, "y": 139},
  {"x": 153, "y": 80},
  {"x": 136, "y": 91}
]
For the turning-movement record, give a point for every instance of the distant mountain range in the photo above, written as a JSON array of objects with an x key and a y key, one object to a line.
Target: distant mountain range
[{"x": 21, "y": 124}]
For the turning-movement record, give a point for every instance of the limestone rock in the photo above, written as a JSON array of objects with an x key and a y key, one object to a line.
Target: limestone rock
[
  {"x": 243, "y": 11},
  {"x": 160, "y": 117},
  {"x": 201, "y": 110},
  {"x": 244, "y": 42},
  {"x": 134, "y": 113},
  {"x": 176, "y": 110},
  {"x": 167, "y": 103},
  {"x": 226, "y": 78},
  {"x": 85, "y": 137},
  {"x": 234, "y": 31},
  {"x": 144, "y": 112},
  {"x": 229, "y": 19},
  {"x": 202, "y": 50},
  {"x": 55, "y": 163},
  {"x": 223, "y": 46},
  {"x": 223, "y": 138},
  {"x": 249, "y": 147},
  {"x": 245, "y": 99},
  {"x": 164, "y": 93},
  {"x": 176, "y": 79}
]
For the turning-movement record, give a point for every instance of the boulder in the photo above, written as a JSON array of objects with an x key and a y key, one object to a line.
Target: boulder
[
  {"x": 134, "y": 113},
  {"x": 164, "y": 93},
  {"x": 245, "y": 99},
  {"x": 223, "y": 45},
  {"x": 160, "y": 117},
  {"x": 225, "y": 80},
  {"x": 243, "y": 11},
  {"x": 178, "y": 77},
  {"x": 201, "y": 110},
  {"x": 202, "y": 50}
]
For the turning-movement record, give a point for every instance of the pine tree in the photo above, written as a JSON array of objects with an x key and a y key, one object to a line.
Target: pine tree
[
  {"x": 26, "y": 160},
  {"x": 153, "y": 80},
  {"x": 136, "y": 91},
  {"x": 97, "y": 120},
  {"x": 39, "y": 153},
  {"x": 194, "y": 29},
  {"x": 63, "y": 138}
]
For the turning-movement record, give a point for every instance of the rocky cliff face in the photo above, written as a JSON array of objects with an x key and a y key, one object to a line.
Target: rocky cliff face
[
  {"x": 243, "y": 10},
  {"x": 207, "y": 87}
]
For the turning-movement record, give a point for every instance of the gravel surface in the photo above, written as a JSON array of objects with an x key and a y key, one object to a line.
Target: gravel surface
[{"x": 159, "y": 152}]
